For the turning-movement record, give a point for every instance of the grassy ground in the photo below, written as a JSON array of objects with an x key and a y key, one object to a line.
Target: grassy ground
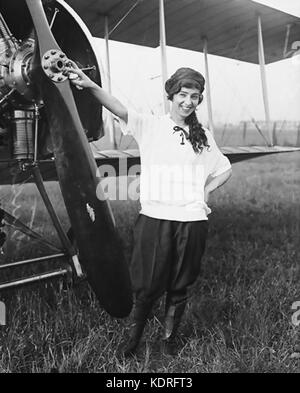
[{"x": 240, "y": 317}]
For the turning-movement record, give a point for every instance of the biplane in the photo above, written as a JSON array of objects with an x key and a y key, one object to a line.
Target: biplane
[{"x": 47, "y": 124}]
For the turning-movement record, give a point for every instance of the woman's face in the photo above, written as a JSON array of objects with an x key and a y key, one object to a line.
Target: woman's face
[{"x": 185, "y": 101}]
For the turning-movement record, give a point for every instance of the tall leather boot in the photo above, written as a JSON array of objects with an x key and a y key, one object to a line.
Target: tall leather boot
[
  {"x": 141, "y": 313},
  {"x": 173, "y": 316}
]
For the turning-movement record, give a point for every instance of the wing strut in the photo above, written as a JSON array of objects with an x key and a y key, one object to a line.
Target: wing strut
[
  {"x": 261, "y": 58},
  {"x": 163, "y": 49},
  {"x": 286, "y": 41},
  {"x": 208, "y": 90}
]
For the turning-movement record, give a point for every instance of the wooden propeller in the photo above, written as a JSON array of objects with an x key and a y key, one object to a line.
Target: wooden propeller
[{"x": 99, "y": 245}]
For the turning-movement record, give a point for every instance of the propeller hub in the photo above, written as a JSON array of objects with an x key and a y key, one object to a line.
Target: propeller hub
[{"x": 53, "y": 64}]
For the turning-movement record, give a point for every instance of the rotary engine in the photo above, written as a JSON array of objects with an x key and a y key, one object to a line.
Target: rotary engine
[
  {"x": 24, "y": 126},
  {"x": 19, "y": 99},
  {"x": 19, "y": 102}
]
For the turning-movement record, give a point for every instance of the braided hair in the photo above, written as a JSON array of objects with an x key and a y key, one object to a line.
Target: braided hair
[{"x": 191, "y": 79}]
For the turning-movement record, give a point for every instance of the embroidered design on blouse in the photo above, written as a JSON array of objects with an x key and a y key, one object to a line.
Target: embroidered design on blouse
[{"x": 183, "y": 134}]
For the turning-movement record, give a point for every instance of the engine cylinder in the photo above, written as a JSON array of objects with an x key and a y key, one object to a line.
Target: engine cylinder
[{"x": 22, "y": 126}]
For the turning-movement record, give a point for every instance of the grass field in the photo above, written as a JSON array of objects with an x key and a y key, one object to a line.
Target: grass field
[{"x": 240, "y": 316}]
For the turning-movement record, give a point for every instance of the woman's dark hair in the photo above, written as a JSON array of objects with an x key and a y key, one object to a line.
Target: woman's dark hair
[{"x": 191, "y": 79}]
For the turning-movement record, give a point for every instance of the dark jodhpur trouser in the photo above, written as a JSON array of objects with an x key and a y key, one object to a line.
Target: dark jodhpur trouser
[{"x": 166, "y": 258}]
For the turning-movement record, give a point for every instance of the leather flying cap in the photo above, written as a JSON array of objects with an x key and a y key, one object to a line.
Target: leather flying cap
[{"x": 184, "y": 77}]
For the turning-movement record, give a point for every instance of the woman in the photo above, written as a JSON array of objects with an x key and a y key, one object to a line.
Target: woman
[{"x": 181, "y": 166}]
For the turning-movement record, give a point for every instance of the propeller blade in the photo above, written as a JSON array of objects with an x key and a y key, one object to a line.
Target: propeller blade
[{"x": 99, "y": 245}]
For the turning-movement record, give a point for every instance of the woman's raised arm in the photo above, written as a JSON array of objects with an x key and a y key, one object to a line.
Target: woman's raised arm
[{"x": 82, "y": 81}]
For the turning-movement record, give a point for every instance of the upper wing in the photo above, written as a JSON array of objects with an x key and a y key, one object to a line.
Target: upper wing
[{"x": 230, "y": 26}]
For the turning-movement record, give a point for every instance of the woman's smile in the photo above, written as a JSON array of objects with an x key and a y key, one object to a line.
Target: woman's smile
[{"x": 185, "y": 102}]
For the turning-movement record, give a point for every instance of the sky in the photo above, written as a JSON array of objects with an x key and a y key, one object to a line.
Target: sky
[{"x": 236, "y": 86}]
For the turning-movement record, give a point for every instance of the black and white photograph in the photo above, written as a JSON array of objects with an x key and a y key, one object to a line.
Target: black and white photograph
[{"x": 149, "y": 189}]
